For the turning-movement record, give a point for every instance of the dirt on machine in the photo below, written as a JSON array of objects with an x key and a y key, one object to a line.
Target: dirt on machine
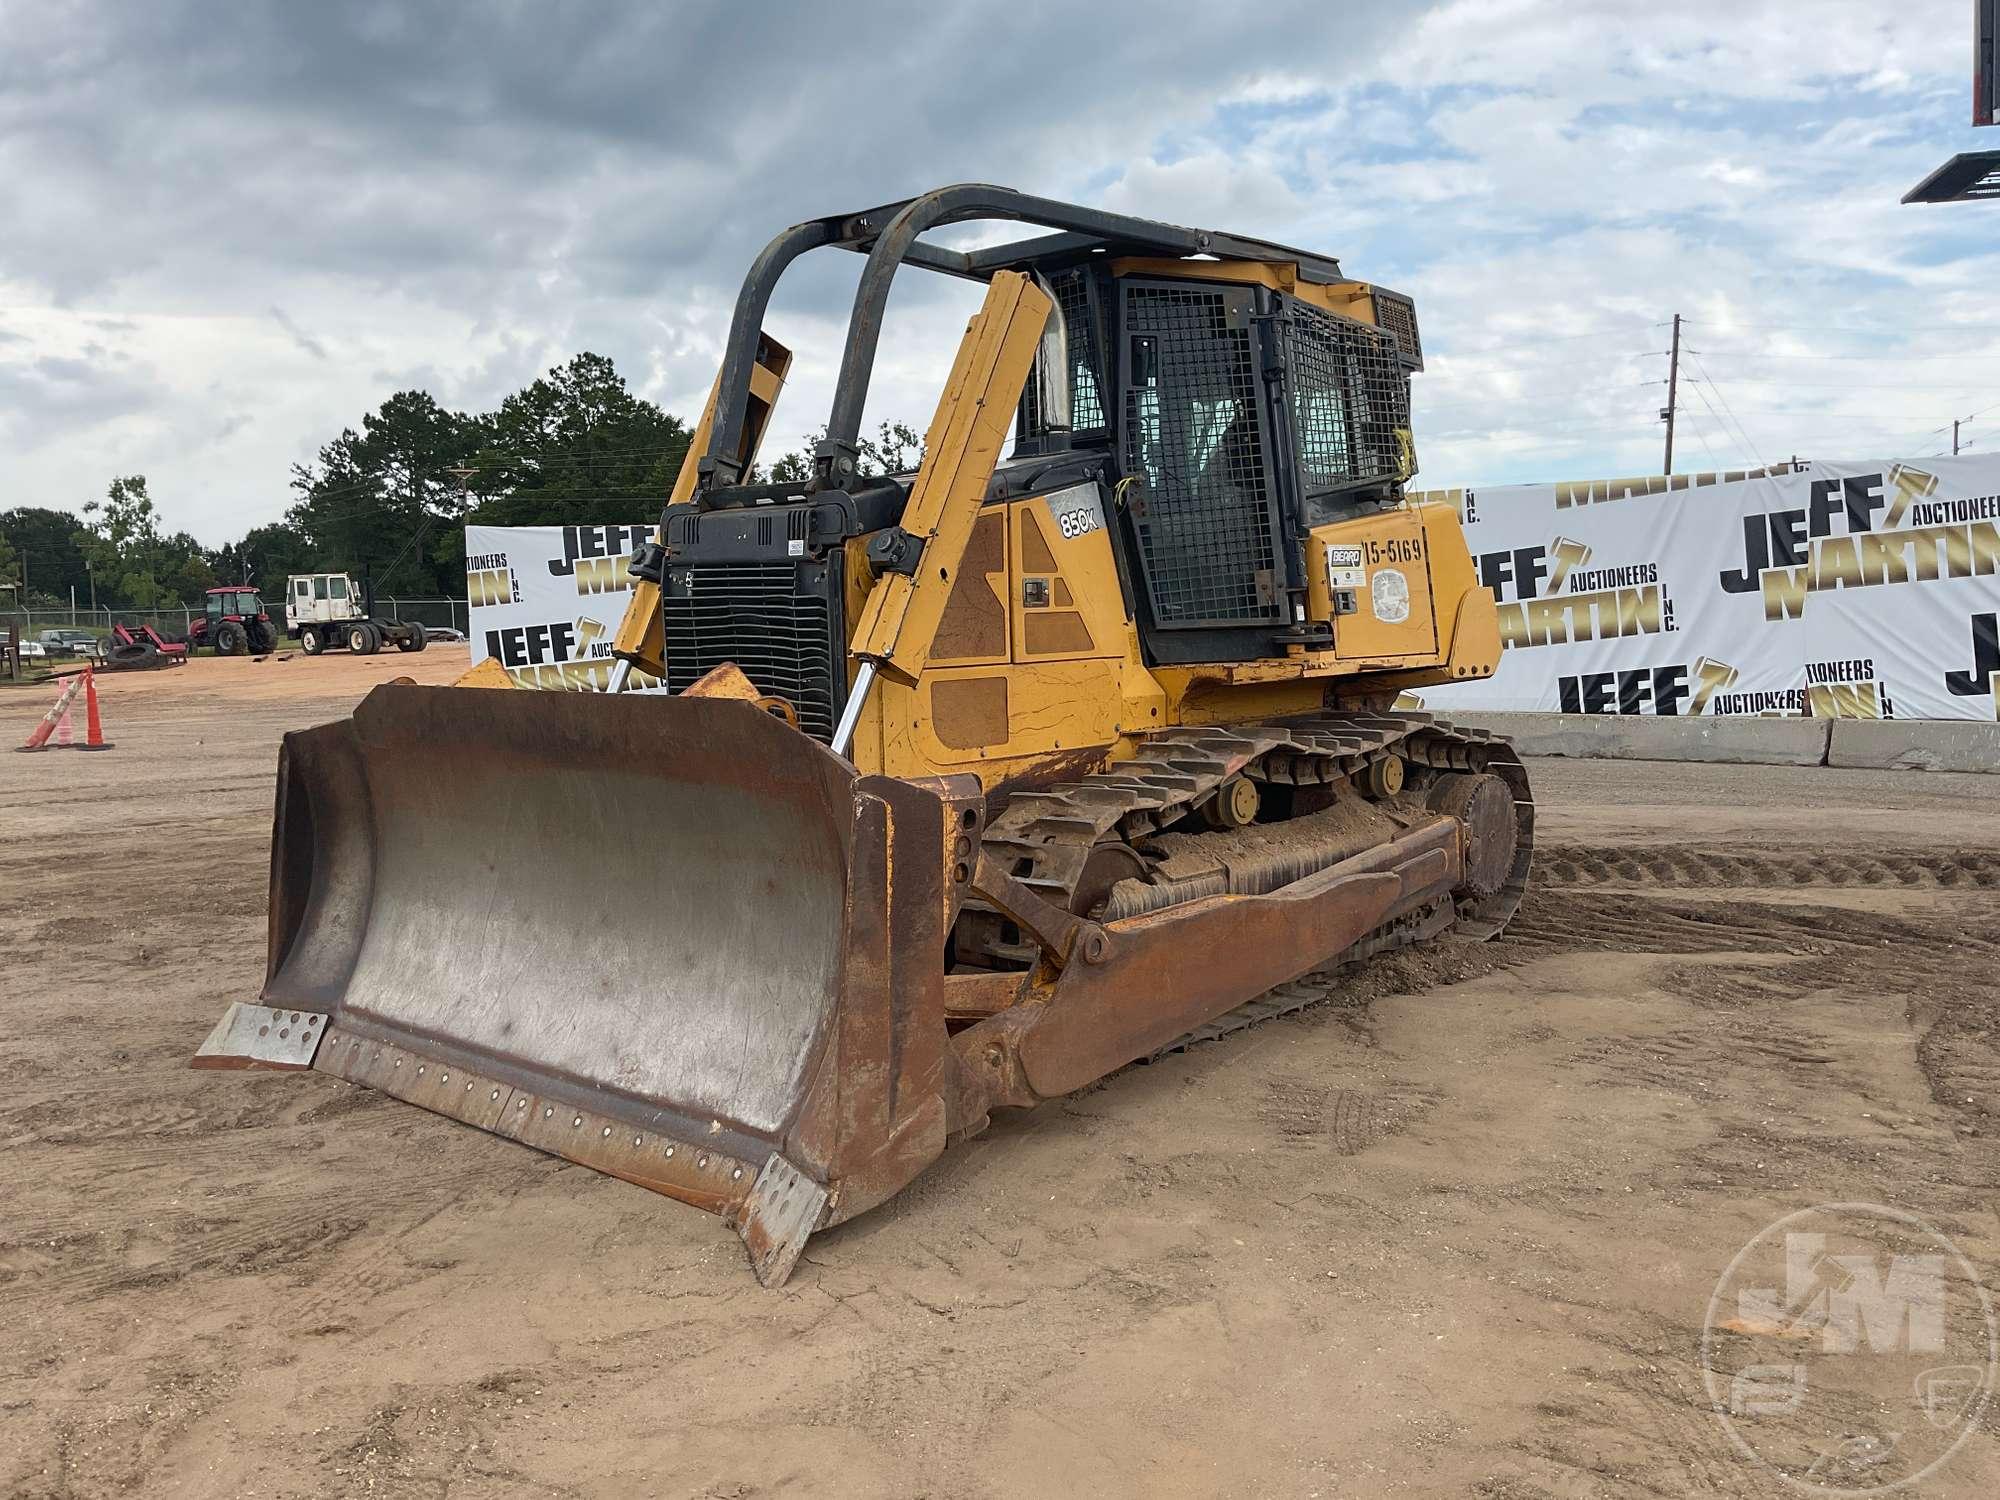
[{"x": 961, "y": 788}]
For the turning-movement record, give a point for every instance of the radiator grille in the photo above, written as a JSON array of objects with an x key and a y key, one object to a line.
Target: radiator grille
[
  {"x": 760, "y": 617},
  {"x": 1195, "y": 431},
  {"x": 1086, "y": 401},
  {"x": 1350, "y": 401}
]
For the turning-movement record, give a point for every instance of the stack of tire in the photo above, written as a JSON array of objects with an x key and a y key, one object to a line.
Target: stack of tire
[{"x": 138, "y": 656}]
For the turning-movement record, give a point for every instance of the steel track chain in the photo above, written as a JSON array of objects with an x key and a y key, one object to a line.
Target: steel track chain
[{"x": 1046, "y": 836}]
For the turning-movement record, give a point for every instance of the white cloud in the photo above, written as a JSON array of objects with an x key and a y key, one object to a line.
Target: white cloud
[{"x": 223, "y": 251}]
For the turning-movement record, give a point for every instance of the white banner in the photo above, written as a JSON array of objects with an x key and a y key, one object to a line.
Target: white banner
[
  {"x": 546, "y": 600},
  {"x": 1836, "y": 590}
]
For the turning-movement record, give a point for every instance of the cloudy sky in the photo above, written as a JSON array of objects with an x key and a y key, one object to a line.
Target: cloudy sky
[{"x": 231, "y": 229}]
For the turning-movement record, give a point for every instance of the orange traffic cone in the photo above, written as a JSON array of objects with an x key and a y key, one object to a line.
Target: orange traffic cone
[
  {"x": 93, "y": 727},
  {"x": 38, "y": 738}
]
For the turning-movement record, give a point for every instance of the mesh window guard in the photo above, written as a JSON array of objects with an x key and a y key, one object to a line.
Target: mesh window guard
[
  {"x": 1350, "y": 396},
  {"x": 1085, "y": 361},
  {"x": 1195, "y": 432}
]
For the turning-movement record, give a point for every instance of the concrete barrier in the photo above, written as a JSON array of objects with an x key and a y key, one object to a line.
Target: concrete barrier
[
  {"x": 1915, "y": 744},
  {"x": 1760, "y": 742}
]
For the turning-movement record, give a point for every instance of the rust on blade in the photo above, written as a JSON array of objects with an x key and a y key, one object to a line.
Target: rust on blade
[
  {"x": 542, "y": 878},
  {"x": 672, "y": 940},
  {"x": 695, "y": 1171}
]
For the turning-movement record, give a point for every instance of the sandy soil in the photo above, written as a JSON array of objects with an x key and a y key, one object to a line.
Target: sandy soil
[{"x": 1454, "y": 1231}]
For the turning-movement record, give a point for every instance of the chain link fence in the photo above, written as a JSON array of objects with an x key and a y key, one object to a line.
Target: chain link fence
[
  {"x": 432, "y": 614},
  {"x": 173, "y": 623}
]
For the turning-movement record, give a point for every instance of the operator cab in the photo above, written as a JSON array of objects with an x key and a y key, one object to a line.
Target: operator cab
[
  {"x": 233, "y": 604},
  {"x": 1212, "y": 403},
  {"x": 323, "y": 597}
]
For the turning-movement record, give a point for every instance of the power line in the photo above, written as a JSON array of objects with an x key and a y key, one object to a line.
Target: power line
[
  {"x": 1881, "y": 359},
  {"x": 1709, "y": 381},
  {"x": 551, "y": 458},
  {"x": 1968, "y": 417},
  {"x": 1898, "y": 328},
  {"x": 1573, "y": 396},
  {"x": 1722, "y": 425},
  {"x": 1702, "y": 438},
  {"x": 1560, "y": 361},
  {"x": 1563, "y": 338},
  {"x": 1847, "y": 385}
]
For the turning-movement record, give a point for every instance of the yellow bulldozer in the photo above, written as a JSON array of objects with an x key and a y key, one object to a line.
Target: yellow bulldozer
[{"x": 918, "y": 796}]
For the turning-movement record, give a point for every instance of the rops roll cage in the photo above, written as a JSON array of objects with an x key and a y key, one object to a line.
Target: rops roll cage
[{"x": 890, "y": 237}]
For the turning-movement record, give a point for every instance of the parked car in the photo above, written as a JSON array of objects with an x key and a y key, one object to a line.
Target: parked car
[
  {"x": 33, "y": 651},
  {"x": 67, "y": 641}
]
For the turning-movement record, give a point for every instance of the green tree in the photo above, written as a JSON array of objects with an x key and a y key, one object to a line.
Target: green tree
[
  {"x": 362, "y": 507},
  {"x": 267, "y": 556},
  {"x": 896, "y": 448},
  {"x": 47, "y": 556},
  {"x": 390, "y": 497},
  {"x": 10, "y": 565},
  {"x": 121, "y": 541},
  {"x": 186, "y": 575},
  {"x": 576, "y": 447}
]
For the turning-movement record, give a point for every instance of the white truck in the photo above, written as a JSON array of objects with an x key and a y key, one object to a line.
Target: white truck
[{"x": 326, "y": 609}]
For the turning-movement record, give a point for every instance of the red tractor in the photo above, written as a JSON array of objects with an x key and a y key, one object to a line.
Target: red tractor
[{"x": 233, "y": 622}]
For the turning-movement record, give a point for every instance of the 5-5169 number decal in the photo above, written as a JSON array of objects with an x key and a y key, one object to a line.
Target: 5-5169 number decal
[{"x": 1397, "y": 549}]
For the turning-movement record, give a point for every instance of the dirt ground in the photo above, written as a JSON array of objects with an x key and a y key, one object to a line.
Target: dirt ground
[{"x": 1453, "y": 1231}]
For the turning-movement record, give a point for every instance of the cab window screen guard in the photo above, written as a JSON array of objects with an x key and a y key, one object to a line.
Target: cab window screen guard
[
  {"x": 1196, "y": 431},
  {"x": 1350, "y": 405}
]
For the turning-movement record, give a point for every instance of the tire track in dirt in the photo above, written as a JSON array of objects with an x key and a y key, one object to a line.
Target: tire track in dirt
[
  {"x": 1345, "y": 1121},
  {"x": 1938, "y": 966},
  {"x": 1673, "y": 864},
  {"x": 86, "y": 1256}
]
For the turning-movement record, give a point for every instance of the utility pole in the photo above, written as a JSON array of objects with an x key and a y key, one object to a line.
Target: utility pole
[
  {"x": 1954, "y": 435},
  {"x": 1673, "y": 390}
]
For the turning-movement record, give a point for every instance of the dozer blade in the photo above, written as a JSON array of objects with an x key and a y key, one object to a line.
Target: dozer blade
[{"x": 657, "y": 936}]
